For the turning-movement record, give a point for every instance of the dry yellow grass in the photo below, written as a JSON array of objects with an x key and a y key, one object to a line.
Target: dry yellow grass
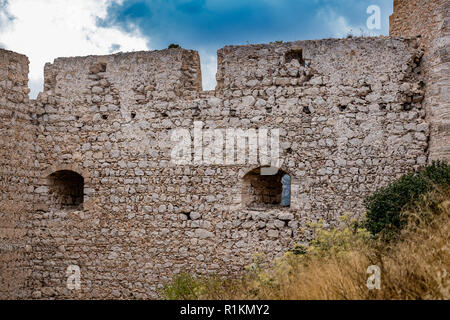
[{"x": 415, "y": 267}]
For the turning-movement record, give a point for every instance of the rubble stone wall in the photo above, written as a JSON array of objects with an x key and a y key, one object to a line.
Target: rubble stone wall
[
  {"x": 430, "y": 20},
  {"x": 17, "y": 177},
  {"x": 349, "y": 116}
]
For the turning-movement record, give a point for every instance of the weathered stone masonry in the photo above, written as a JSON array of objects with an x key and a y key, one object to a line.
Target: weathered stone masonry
[
  {"x": 17, "y": 175},
  {"x": 351, "y": 114},
  {"x": 430, "y": 20}
]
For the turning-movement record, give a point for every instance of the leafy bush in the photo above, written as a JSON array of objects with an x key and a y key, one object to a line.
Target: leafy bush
[
  {"x": 384, "y": 207},
  {"x": 336, "y": 240},
  {"x": 183, "y": 286},
  {"x": 328, "y": 241},
  {"x": 174, "y": 46},
  {"x": 197, "y": 287}
]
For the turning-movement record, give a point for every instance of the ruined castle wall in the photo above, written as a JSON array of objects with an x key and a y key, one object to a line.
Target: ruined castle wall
[
  {"x": 17, "y": 151},
  {"x": 431, "y": 21},
  {"x": 350, "y": 118},
  {"x": 88, "y": 113}
]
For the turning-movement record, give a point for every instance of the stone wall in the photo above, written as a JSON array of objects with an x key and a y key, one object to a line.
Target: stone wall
[
  {"x": 431, "y": 21},
  {"x": 350, "y": 119},
  {"x": 87, "y": 172},
  {"x": 17, "y": 154}
]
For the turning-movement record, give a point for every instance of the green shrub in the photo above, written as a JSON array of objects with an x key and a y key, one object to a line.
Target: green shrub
[
  {"x": 385, "y": 206},
  {"x": 277, "y": 42},
  {"x": 340, "y": 239},
  {"x": 199, "y": 287},
  {"x": 183, "y": 287},
  {"x": 174, "y": 46},
  {"x": 350, "y": 234}
]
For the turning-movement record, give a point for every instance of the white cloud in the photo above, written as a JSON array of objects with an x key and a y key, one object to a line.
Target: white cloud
[
  {"x": 46, "y": 29},
  {"x": 338, "y": 25}
]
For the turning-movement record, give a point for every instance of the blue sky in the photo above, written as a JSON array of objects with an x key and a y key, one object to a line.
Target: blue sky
[
  {"x": 46, "y": 29},
  {"x": 210, "y": 24}
]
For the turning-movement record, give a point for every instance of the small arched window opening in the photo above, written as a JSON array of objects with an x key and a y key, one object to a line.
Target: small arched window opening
[
  {"x": 261, "y": 191},
  {"x": 66, "y": 190}
]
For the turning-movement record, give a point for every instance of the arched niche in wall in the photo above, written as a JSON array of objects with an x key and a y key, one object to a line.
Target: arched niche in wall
[
  {"x": 261, "y": 190},
  {"x": 66, "y": 190}
]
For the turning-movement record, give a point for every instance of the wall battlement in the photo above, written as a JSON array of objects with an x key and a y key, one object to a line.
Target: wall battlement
[
  {"x": 178, "y": 69},
  {"x": 91, "y": 157}
]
